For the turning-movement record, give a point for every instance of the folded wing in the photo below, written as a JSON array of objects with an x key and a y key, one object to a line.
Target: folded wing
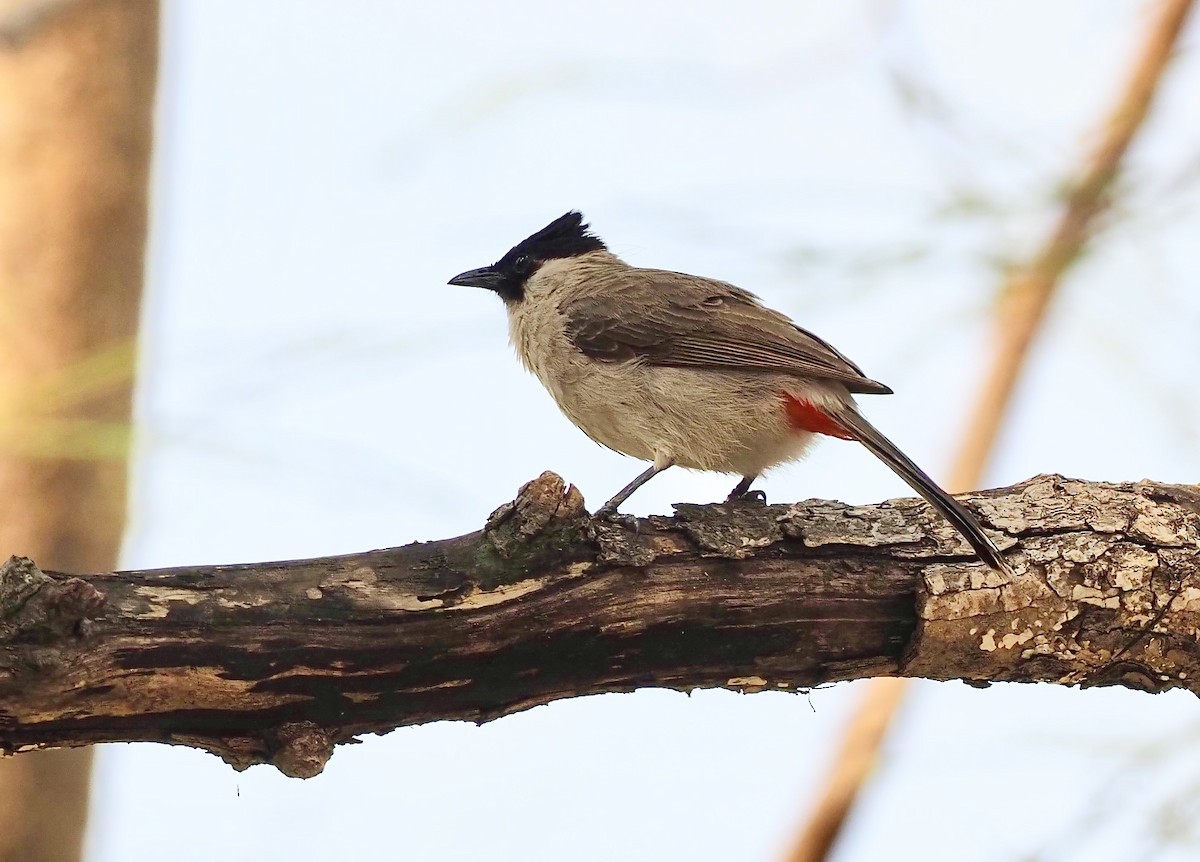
[{"x": 670, "y": 319}]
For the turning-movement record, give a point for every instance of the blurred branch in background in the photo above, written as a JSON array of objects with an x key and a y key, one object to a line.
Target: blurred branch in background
[
  {"x": 1026, "y": 295},
  {"x": 77, "y": 82}
]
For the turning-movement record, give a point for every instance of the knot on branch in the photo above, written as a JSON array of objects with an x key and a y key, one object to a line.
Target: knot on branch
[
  {"x": 541, "y": 505},
  {"x": 302, "y": 748},
  {"x": 36, "y": 608}
]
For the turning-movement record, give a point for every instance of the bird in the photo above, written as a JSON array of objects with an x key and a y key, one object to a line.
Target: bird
[{"x": 682, "y": 370}]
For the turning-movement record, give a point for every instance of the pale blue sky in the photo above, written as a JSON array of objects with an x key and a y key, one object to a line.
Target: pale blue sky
[{"x": 311, "y": 386}]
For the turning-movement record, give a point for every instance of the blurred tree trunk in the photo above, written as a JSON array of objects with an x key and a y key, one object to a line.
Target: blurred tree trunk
[{"x": 77, "y": 84}]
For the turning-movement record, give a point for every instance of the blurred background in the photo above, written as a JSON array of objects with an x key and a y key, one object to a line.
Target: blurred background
[{"x": 306, "y": 384}]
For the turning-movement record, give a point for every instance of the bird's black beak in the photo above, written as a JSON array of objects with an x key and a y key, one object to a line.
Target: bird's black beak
[{"x": 486, "y": 277}]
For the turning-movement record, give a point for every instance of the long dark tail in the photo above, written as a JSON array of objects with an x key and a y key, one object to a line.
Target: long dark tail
[{"x": 952, "y": 510}]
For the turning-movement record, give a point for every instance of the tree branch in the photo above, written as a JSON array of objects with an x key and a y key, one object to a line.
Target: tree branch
[{"x": 278, "y": 662}]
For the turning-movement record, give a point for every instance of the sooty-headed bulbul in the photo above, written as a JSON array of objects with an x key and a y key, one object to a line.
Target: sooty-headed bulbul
[{"x": 681, "y": 370}]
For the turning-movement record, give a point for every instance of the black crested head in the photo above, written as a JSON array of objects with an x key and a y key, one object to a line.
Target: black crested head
[{"x": 566, "y": 236}]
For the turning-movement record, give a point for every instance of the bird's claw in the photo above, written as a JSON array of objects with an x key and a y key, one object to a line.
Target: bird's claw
[
  {"x": 629, "y": 522},
  {"x": 755, "y": 496}
]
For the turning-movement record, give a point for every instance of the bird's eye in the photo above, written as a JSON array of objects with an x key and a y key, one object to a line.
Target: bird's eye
[{"x": 521, "y": 262}]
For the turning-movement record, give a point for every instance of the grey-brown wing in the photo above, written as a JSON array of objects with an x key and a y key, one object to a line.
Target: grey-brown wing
[{"x": 683, "y": 321}]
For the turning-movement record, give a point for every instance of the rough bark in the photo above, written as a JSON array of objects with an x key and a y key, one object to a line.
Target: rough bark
[
  {"x": 278, "y": 662},
  {"x": 77, "y": 81}
]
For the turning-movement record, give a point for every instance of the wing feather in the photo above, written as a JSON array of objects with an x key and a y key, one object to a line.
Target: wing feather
[{"x": 675, "y": 320}]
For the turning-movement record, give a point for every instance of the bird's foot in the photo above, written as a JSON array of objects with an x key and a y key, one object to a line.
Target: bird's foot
[
  {"x": 741, "y": 492},
  {"x": 755, "y": 496},
  {"x": 610, "y": 514}
]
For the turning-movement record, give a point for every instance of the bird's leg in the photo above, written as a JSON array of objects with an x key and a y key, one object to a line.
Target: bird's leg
[
  {"x": 610, "y": 508},
  {"x": 741, "y": 491}
]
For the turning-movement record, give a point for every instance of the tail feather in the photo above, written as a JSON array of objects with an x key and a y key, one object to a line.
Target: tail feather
[{"x": 952, "y": 510}]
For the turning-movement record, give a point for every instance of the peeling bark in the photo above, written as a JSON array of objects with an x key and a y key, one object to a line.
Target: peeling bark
[{"x": 278, "y": 662}]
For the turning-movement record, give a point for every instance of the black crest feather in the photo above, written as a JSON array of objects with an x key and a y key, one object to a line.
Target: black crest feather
[{"x": 566, "y": 236}]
